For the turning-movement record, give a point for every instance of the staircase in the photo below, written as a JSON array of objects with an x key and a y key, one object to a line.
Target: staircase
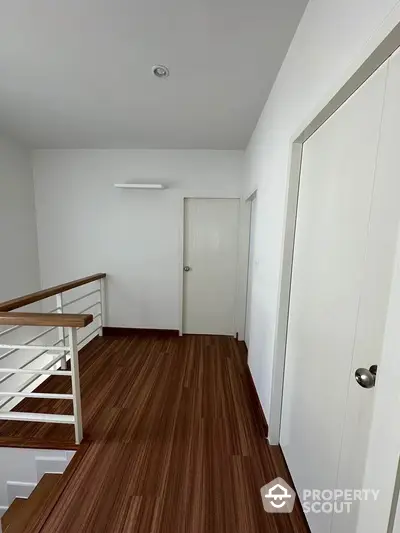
[
  {"x": 31, "y": 466},
  {"x": 25, "y": 510},
  {"x": 27, "y": 480},
  {"x": 58, "y": 344}
]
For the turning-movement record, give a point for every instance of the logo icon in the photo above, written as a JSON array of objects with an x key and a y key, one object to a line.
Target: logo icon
[{"x": 278, "y": 496}]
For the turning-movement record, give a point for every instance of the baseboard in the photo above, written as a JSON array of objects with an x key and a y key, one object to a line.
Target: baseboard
[
  {"x": 134, "y": 332},
  {"x": 50, "y": 465},
  {"x": 243, "y": 350},
  {"x": 256, "y": 407},
  {"x": 19, "y": 489}
]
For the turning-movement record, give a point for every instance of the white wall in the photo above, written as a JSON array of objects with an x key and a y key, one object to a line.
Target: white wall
[
  {"x": 85, "y": 225},
  {"x": 330, "y": 38},
  {"x": 18, "y": 239},
  {"x": 18, "y": 247}
]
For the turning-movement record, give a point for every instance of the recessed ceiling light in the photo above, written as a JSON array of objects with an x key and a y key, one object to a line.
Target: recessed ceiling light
[{"x": 160, "y": 71}]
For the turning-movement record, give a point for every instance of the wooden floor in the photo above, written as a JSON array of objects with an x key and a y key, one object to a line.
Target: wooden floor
[{"x": 175, "y": 441}]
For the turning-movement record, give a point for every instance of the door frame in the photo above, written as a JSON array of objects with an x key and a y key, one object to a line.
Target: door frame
[
  {"x": 249, "y": 228},
  {"x": 239, "y": 326},
  {"x": 378, "y": 49}
]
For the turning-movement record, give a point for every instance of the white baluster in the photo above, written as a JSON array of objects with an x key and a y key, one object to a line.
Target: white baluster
[
  {"x": 76, "y": 387},
  {"x": 61, "y": 331},
  {"x": 103, "y": 305}
]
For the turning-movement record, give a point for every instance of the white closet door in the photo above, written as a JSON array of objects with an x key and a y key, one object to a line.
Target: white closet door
[{"x": 331, "y": 318}]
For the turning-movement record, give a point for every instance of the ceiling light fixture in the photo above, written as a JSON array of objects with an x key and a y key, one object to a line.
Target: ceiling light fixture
[{"x": 160, "y": 71}]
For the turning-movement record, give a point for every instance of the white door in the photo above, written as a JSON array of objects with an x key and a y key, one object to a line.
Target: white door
[
  {"x": 210, "y": 265},
  {"x": 342, "y": 269},
  {"x": 250, "y": 271},
  {"x": 383, "y": 465}
]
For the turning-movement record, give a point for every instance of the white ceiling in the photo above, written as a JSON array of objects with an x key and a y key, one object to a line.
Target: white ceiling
[{"x": 77, "y": 73}]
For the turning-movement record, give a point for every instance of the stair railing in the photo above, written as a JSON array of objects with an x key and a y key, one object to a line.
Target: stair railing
[{"x": 63, "y": 348}]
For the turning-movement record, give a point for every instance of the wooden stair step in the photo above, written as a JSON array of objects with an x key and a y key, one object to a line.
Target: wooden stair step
[
  {"x": 30, "y": 508},
  {"x": 12, "y": 514}
]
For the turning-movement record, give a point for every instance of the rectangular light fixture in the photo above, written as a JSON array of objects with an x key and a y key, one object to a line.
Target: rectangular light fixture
[{"x": 139, "y": 186}]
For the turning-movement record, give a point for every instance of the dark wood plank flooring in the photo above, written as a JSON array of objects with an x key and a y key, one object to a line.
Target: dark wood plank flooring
[{"x": 174, "y": 441}]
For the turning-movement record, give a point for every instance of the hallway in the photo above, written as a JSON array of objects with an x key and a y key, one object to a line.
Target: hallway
[{"x": 173, "y": 441}]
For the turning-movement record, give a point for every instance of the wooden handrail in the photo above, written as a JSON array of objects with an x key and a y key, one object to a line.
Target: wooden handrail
[
  {"x": 45, "y": 319},
  {"x": 55, "y": 320},
  {"x": 22, "y": 301}
]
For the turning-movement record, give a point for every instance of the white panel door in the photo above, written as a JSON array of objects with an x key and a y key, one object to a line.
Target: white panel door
[
  {"x": 343, "y": 259},
  {"x": 210, "y": 259}
]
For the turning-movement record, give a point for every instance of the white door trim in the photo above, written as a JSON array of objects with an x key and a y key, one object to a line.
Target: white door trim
[
  {"x": 251, "y": 196},
  {"x": 378, "y": 50},
  {"x": 249, "y": 228}
]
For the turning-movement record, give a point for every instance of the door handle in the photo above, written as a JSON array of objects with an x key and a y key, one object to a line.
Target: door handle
[
  {"x": 187, "y": 269},
  {"x": 366, "y": 378}
]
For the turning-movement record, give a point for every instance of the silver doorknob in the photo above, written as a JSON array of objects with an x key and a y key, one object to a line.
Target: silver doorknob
[
  {"x": 366, "y": 378},
  {"x": 187, "y": 269}
]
